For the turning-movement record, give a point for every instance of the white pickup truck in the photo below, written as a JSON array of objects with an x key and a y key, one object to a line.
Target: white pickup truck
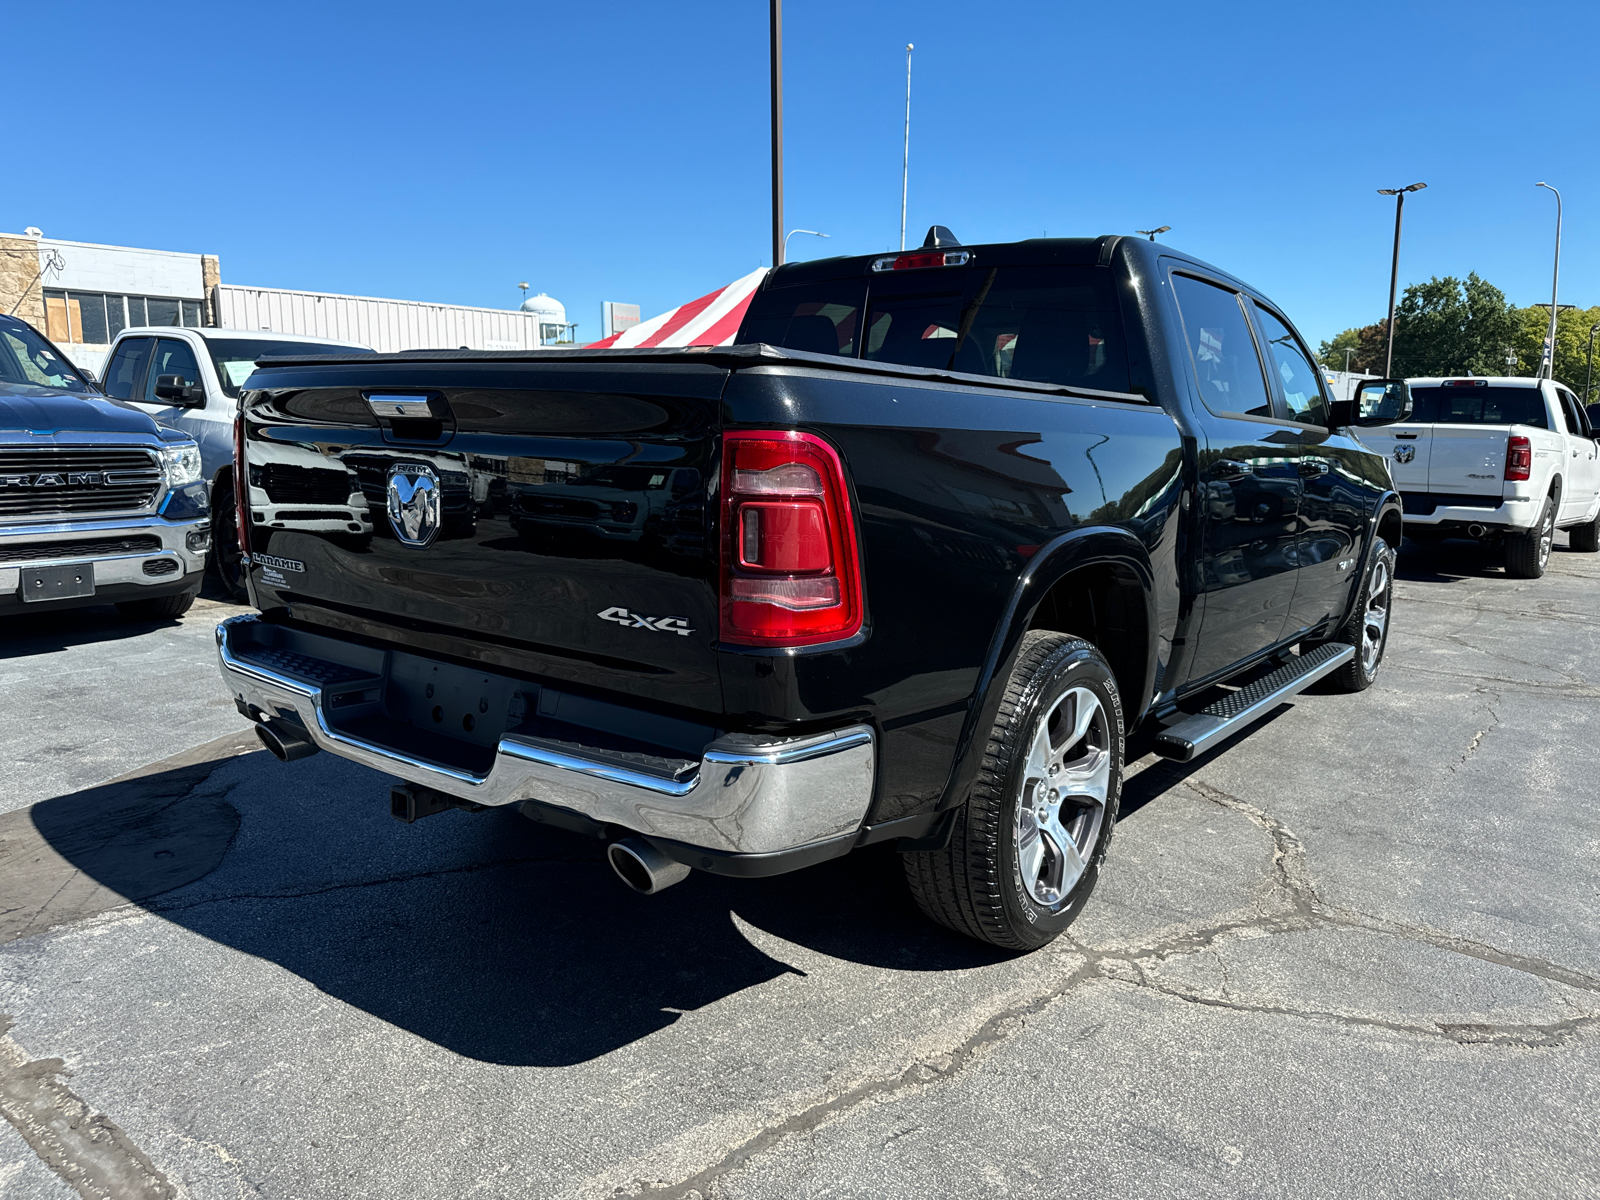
[
  {"x": 188, "y": 379},
  {"x": 1496, "y": 459}
]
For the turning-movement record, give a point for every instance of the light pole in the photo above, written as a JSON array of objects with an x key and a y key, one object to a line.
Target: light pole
[
  {"x": 1348, "y": 351},
  {"x": 777, "y": 132},
  {"x": 1399, "y": 195},
  {"x": 1555, "y": 283},
  {"x": 1151, "y": 233},
  {"x": 792, "y": 232},
  {"x": 905, "y": 163},
  {"x": 1589, "y": 375}
]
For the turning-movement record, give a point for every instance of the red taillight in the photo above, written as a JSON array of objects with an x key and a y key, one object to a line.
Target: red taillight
[
  {"x": 791, "y": 575},
  {"x": 1519, "y": 458},
  {"x": 241, "y": 490},
  {"x": 922, "y": 258}
]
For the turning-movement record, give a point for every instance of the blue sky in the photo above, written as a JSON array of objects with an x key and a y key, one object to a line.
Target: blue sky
[{"x": 619, "y": 151}]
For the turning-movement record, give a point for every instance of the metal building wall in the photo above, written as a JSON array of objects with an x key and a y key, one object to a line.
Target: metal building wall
[{"x": 385, "y": 325}]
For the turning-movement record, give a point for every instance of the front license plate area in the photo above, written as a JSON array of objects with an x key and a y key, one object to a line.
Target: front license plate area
[{"x": 57, "y": 583}]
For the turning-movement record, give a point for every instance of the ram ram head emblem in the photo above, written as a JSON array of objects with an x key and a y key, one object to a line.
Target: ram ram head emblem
[
  {"x": 1404, "y": 454},
  {"x": 414, "y": 507}
]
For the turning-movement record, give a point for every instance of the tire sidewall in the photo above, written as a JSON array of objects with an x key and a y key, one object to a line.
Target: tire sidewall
[{"x": 1075, "y": 665}]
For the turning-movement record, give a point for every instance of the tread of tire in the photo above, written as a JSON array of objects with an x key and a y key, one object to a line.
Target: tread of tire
[
  {"x": 158, "y": 608},
  {"x": 967, "y": 898},
  {"x": 1585, "y": 538},
  {"x": 1522, "y": 551}
]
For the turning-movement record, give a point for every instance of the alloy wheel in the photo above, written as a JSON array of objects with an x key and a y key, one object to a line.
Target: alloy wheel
[
  {"x": 1062, "y": 802},
  {"x": 1376, "y": 618}
]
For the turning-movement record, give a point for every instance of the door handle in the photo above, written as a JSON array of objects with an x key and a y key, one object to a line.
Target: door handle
[
  {"x": 1230, "y": 468},
  {"x": 1312, "y": 467}
]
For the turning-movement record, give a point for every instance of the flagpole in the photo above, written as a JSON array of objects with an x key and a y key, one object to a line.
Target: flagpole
[{"x": 905, "y": 163}]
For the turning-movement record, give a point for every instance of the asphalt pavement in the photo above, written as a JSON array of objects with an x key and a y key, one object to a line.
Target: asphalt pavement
[{"x": 1355, "y": 953}]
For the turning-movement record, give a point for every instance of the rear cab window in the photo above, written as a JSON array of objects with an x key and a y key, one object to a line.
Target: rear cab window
[
  {"x": 1468, "y": 402},
  {"x": 1056, "y": 323}
]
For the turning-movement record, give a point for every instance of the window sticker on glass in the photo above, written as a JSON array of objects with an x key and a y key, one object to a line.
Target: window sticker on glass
[{"x": 238, "y": 372}]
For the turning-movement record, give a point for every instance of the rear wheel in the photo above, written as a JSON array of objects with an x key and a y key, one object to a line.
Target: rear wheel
[
  {"x": 227, "y": 559},
  {"x": 158, "y": 608},
  {"x": 1528, "y": 553},
  {"x": 1027, "y": 846},
  {"x": 1585, "y": 538}
]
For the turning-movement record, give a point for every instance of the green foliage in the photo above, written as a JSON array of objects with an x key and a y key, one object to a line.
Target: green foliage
[
  {"x": 1450, "y": 326},
  {"x": 1572, "y": 342}
]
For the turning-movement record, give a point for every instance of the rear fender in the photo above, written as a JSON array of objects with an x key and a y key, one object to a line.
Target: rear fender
[{"x": 1090, "y": 546}]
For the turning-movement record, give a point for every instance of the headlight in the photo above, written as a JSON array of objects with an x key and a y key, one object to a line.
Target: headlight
[{"x": 180, "y": 464}]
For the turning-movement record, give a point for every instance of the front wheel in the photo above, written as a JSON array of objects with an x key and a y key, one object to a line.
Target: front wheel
[
  {"x": 1368, "y": 627},
  {"x": 1528, "y": 553},
  {"x": 160, "y": 608},
  {"x": 1027, "y": 846}
]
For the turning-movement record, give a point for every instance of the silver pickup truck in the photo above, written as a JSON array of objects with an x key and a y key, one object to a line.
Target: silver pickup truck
[{"x": 98, "y": 503}]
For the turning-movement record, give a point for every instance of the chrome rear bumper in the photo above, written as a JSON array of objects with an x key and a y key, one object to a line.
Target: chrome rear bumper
[{"x": 745, "y": 796}]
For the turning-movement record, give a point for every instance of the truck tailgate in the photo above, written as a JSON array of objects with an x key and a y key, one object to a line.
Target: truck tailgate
[
  {"x": 1408, "y": 449},
  {"x": 1467, "y": 459},
  {"x": 544, "y": 518}
]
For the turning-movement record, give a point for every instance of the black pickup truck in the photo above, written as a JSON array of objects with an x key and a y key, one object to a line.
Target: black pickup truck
[{"x": 907, "y": 562}]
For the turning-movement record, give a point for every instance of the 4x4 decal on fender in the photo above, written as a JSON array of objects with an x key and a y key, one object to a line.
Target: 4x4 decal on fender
[{"x": 677, "y": 625}]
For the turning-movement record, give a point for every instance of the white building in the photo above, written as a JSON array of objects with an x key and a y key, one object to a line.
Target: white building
[{"x": 82, "y": 294}]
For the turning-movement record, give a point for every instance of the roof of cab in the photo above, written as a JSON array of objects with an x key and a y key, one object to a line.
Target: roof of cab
[{"x": 206, "y": 331}]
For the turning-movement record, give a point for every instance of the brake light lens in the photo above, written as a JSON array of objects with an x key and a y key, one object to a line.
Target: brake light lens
[
  {"x": 922, "y": 258},
  {"x": 791, "y": 572},
  {"x": 241, "y": 490},
  {"x": 1519, "y": 458}
]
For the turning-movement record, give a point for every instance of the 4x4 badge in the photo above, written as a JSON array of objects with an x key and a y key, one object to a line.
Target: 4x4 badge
[{"x": 677, "y": 625}]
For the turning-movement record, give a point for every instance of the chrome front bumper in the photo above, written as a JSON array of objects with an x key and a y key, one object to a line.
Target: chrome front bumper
[
  {"x": 745, "y": 796},
  {"x": 109, "y": 570}
]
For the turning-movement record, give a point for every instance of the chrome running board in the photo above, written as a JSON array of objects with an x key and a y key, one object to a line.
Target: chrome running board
[{"x": 1195, "y": 733}]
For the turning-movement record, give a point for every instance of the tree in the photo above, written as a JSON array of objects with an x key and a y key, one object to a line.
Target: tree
[
  {"x": 1450, "y": 327},
  {"x": 1366, "y": 343},
  {"x": 1572, "y": 342}
]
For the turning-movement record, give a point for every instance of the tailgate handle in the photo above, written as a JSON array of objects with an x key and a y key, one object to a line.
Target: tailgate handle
[
  {"x": 411, "y": 408},
  {"x": 1408, "y": 436}
]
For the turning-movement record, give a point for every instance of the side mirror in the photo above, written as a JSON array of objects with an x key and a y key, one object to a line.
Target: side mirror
[
  {"x": 172, "y": 387},
  {"x": 1376, "y": 402}
]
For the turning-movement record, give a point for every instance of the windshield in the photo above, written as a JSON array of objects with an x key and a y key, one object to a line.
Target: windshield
[
  {"x": 25, "y": 357},
  {"x": 236, "y": 357},
  {"x": 1478, "y": 404}
]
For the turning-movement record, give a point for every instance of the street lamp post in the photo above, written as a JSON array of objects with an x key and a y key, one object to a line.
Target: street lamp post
[
  {"x": 791, "y": 233},
  {"x": 1555, "y": 283},
  {"x": 1348, "y": 351},
  {"x": 1399, "y": 195},
  {"x": 905, "y": 162},
  {"x": 777, "y": 132}
]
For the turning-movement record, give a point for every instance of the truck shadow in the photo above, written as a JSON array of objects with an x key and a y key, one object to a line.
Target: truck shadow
[{"x": 485, "y": 934}]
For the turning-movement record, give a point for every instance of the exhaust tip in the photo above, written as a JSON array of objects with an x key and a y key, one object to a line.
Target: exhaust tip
[
  {"x": 284, "y": 743},
  {"x": 644, "y": 868},
  {"x": 1475, "y": 531}
]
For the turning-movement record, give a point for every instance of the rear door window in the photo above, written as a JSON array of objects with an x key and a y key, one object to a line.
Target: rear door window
[
  {"x": 1222, "y": 348},
  {"x": 125, "y": 372},
  {"x": 1577, "y": 421}
]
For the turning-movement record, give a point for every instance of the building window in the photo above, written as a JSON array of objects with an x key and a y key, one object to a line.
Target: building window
[{"x": 96, "y": 317}]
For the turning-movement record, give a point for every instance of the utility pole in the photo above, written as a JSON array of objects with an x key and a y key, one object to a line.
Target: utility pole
[
  {"x": 1549, "y": 364},
  {"x": 905, "y": 163},
  {"x": 777, "y": 133},
  {"x": 1399, "y": 195}
]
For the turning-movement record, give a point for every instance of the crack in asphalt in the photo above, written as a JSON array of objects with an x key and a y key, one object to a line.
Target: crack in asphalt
[
  {"x": 1302, "y": 910},
  {"x": 86, "y": 1149}
]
